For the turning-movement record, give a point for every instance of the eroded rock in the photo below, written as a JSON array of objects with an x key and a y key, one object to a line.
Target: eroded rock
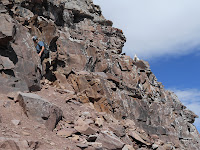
[
  {"x": 40, "y": 109},
  {"x": 109, "y": 141}
]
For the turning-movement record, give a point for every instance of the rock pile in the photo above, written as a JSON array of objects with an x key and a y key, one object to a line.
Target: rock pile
[{"x": 91, "y": 96}]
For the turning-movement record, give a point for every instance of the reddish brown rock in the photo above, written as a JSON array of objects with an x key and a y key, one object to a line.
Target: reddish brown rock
[
  {"x": 109, "y": 141},
  {"x": 86, "y": 60},
  {"x": 85, "y": 129},
  {"x": 118, "y": 130},
  {"x": 40, "y": 109},
  {"x": 143, "y": 65}
]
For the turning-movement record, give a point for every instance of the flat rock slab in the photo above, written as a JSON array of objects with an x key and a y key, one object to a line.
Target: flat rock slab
[
  {"x": 40, "y": 109},
  {"x": 109, "y": 141},
  {"x": 85, "y": 129},
  {"x": 136, "y": 136},
  {"x": 66, "y": 132},
  {"x": 9, "y": 145}
]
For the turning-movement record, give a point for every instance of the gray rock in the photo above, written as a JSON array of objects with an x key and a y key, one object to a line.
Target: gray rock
[
  {"x": 6, "y": 63},
  {"x": 117, "y": 129},
  {"x": 85, "y": 60},
  {"x": 109, "y": 141},
  {"x": 40, "y": 109},
  {"x": 7, "y": 29},
  {"x": 85, "y": 129}
]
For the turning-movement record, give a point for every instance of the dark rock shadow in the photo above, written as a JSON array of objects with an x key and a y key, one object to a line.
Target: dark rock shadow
[{"x": 8, "y": 52}]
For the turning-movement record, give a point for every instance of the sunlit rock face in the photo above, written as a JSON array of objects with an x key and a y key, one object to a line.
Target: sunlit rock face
[{"x": 87, "y": 63}]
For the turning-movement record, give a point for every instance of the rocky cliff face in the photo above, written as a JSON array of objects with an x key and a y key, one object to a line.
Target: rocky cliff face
[{"x": 96, "y": 97}]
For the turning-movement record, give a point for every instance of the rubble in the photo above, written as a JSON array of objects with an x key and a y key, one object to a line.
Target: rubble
[{"x": 87, "y": 95}]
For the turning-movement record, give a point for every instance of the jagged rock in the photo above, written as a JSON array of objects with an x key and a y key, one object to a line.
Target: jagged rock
[
  {"x": 86, "y": 67},
  {"x": 117, "y": 129},
  {"x": 127, "y": 140},
  {"x": 109, "y": 141},
  {"x": 143, "y": 65},
  {"x": 17, "y": 59},
  {"x": 190, "y": 116},
  {"x": 85, "y": 129},
  {"x": 7, "y": 29},
  {"x": 6, "y": 63},
  {"x": 136, "y": 136},
  {"x": 40, "y": 109},
  {"x": 23, "y": 12}
]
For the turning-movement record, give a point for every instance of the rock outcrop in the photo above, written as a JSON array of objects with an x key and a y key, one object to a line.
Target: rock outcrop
[
  {"x": 40, "y": 109},
  {"x": 103, "y": 99}
]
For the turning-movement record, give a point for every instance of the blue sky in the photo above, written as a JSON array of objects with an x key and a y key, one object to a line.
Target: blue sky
[{"x": 167, "y": 35}]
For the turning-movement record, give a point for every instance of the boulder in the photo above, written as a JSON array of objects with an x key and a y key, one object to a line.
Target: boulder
[
  {"x": 85, "y": 129},
  {"x": 5, "y": 63},
  {"x": 143, "y": 65},
  {"x": 40, "y": 109},
  {"x": 18, "y": 58},
  {"x": 109, "y": 142},
  {"x": 136, "y": 136},
  {"x": 7, "y": 29},
  {"x": 118, "y": 130}
]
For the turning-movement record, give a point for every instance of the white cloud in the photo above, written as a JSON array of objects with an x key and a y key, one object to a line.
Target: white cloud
[
  {"x": 188, "y": 96},
  {"x": 155, "y": 28},
  {"x": 191, "y": 99}
]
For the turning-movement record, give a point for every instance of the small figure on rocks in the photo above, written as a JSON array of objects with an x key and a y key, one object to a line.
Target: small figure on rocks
[{"x": 41, "y": 48}]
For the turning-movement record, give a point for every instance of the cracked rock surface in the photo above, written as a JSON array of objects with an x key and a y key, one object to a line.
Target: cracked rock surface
[{"x": 87, "y": 95}]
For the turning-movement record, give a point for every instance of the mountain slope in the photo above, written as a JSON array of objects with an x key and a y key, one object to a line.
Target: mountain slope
[{"x": 95, "y": 96}]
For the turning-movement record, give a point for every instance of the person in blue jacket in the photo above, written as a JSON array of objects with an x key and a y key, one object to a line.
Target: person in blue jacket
[{"x": 40, "y": 47}]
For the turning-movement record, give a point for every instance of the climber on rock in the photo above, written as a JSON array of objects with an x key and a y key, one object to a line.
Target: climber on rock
[{"x": 40, "y": 47}]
